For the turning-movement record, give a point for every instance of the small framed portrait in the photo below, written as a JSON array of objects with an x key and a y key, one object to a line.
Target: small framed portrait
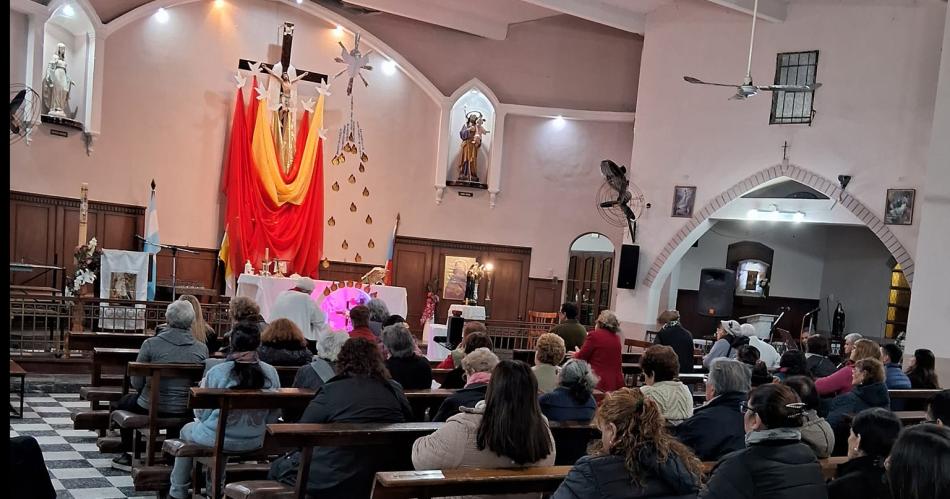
[
  {"x": 683, "y": 198},
  {"x": 899, "y": 208}
]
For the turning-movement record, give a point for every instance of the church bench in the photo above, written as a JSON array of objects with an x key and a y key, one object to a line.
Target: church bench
[
  {"x": 420, "y": 400},
  {"x": 438, "y": 375},
  {"x": 911, "y": 417},
  {"x": 89, "y": 341},
  {"x": 467, "y": 481},
  {"x": 225, "y": 401},
  {"x": 157, "y": 478},
  {"x": 912, "y": 394},
  {"x": 286, "y": 375},
  {"x": 91, "y": 420},
  {"x": 112, "y": 361}
]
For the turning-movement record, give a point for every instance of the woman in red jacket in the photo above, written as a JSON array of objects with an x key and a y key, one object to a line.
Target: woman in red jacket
[{"x": 602, "y": 350}]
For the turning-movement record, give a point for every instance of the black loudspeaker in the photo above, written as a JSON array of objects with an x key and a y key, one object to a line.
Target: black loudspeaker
[
  {"x": 455, "y": 326},
  {"x": 717, "y": 288},
  {"x": 627, "y": 271}
]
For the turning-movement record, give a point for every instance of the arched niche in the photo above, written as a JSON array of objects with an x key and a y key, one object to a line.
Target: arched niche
[
  {"x": 71, "y": 25},
  {"x": 589, "y": 279}
]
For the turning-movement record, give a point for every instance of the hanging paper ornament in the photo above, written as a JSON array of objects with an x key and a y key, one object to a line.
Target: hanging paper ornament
[
  {"x": 335, "y": 161},
  {"x": 358, "y": 258},
  {"x": 335, "y": 187},
  {"x": 362, "y": 168},
  {"x": 325, "y": 263},
  {"x": 342, "y": 159},
  {"x": 331, "y": 222},
  {"x": 365, "y": 192},
  {"x": 352, "y": 179},
  {"x": 353, "y": 207},
  {"x": 345, "y": 245},
  {"x": 369, "y": 220},
  {"x": 371, "y": 244},
  {"x": 350, "y": 137},
  {"x": 364, "y": 158}
]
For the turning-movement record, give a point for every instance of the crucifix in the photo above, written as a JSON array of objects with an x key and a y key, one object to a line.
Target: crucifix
[
  {"x": 785, "y": 151},
  {"x": 282, "y": 94}
]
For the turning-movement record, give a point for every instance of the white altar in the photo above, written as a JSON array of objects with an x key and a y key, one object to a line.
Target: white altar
[
  {"x": 762, "y": 324},
  {"x": 264, "y": 291},
  {"x": 469, "y": 312}
]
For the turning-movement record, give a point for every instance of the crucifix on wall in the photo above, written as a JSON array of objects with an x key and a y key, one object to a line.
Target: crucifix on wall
[{"x": 282, "y": 94}]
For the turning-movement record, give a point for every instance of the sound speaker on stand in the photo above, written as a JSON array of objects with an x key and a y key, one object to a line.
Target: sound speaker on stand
[
  {"x": 455, "y": 326},
  {"x": 627, "y": 270},
  {"x": 717, "y": 289}
]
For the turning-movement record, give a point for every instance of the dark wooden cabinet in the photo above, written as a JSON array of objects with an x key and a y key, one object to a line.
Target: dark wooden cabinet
[{"x": 544, "y": 295}]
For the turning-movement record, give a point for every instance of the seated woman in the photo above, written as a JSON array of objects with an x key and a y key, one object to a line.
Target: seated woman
[
  {"x": 660, "y": 367},
  {"x": 242, "y": 310},
  {"x": 505, "y": 430},
  {"x": 749, "y": 355},
  {"x": 454, "y": 360},
  {"x": 573, "y": 399},
  {"x": 841, "y": 381},
  {"x": 729, "y": 338},
  {"x": 816, "y": 357},
  {"x": 378, "y": 314},
  {"x": 602, "y": 350},
  {"x": 456, "y": 377},
  {"x": 548, "y": 356},
  {"x": 815, "y": 430},
  {"x": 792, "y": 363},
  {"x": 921, "y": 370},
  {"x": 717, "y": 427},
  {"x": 283, "y": 344},
  {"x": 174, "y": 344},
  {"x": 869, "y": 391},
  {"x": 411, "y": 371},
  {"x": 478, "y": 367},
  {"x": 636, "y": 457},
  {"x": 320, "y": 370},
  {"x": 362, "y": 392},
  {"x": 775, "y": 464},
  {"x": 199, "y": 328},
  {"x": 873, "y": 433},
  {"x": 919, "y": 464},
  {"x": 245, "y": 429}
]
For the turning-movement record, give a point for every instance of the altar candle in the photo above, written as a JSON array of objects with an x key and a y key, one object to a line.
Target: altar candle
[{"x": 266, "y": 254}]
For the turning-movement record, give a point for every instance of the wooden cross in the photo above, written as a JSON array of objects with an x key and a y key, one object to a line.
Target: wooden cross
[
  {"x": 785, "y": 151},
  {"x": 286, "y": 45},
  {"x": 83, "y": 212}
]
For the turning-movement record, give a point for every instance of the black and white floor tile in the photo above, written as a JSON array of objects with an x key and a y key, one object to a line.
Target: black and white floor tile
[{"x": 77, "y": 468}]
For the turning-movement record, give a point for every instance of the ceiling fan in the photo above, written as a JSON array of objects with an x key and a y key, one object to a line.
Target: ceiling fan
[{"x": 747, "y": 88}]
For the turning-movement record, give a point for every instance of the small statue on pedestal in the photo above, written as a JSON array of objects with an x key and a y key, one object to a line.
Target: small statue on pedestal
[
  {"x": 471, "y": 135},
  {"x": 56, "y": 84},
  {"x": 472, "y": 277}
]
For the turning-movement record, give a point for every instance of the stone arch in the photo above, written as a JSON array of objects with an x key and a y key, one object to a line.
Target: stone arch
[{"x": 699, "y": 224}]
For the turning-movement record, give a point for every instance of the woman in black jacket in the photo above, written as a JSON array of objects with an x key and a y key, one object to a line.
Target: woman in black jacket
[
  {"x": 410, "y": 370},
  {"x": 283, "y": 344},
  {"x": 869, "y": 390},
  {"x": 635, "y": 458},
  {"x": 775, "y": 463},
  {"x": 873, "y": 433},
  {"x": 674, "y": 335}
]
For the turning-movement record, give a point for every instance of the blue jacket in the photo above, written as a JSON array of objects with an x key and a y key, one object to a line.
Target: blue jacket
[
  {"x": 716, "y": 428},
  {"x": 558, "y": 405},
  {"x": 858, "y": 399},
  {"x": 895, "y": 378},
  {"x": 245, "y": 429}
]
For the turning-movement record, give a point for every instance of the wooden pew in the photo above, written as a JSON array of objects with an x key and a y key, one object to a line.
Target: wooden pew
[
  {"x": 226, "y": 401},
  {"x": 438, "y": 375},
  {"x": 909, "y": 418},
  {"x": 103, "y": 389},
  {"x": 912, "y": 394},
  {"x": 88, "y": 341},
  {"x": 467, "y": 481}
]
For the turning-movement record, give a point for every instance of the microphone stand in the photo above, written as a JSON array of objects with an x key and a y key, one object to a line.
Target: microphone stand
[
  {"x": 175, "y": 250},
  {"x": 781, "y": 313}
]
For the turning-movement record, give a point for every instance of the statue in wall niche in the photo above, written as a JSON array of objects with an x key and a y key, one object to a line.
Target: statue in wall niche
[
  {"x": 56, "y": 84},
  {"x": 471, "y": 135}
]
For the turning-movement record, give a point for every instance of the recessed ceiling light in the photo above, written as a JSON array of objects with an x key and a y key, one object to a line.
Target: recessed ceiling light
[
  {"x": 161, "y": 15},
  {"x": 389, "y": 67},
  {"x": 68, "y": 11},
  {"x": 338, "y": 31}
]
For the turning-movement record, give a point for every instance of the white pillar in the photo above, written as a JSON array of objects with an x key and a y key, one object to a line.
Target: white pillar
[{"x": 930, "y": 302}]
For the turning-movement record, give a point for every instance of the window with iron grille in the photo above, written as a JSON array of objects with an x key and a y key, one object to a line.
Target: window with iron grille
[{"x": 794, "y": 68}]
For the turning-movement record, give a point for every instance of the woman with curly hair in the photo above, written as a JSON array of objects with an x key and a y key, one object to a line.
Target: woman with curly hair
[
  {"x": 636, "y": 456},
  {"x": 548, "y": 356},
  {"x": 602, "y": 351},
  {"x": 361, "y": 392},
  {"x": 242, "y": 310},
  {"x": 283, "y": 344}
]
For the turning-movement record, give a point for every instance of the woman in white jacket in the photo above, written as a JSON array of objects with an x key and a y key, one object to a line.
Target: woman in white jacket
[
  {"x": 767, "y": 353},
  {"x": 506, "y": 430}
]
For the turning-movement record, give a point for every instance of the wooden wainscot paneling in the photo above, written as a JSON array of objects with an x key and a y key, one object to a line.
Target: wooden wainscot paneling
[
  {"x": 202, "y": 271},
  {"x": 544, "y": 295},
  {"x": 345, "y": 271}
]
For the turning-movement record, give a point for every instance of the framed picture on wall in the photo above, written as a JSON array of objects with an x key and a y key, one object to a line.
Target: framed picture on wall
[
  {"x": 899, "y": 207},
  {"x": 455, "y": 273},
  {"x": 683, "y": 198}
]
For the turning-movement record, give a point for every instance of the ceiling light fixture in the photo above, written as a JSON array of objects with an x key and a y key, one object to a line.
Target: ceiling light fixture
[
  {"x": 161, "y": 15},
  {"x": 389, "y": 67},
  {"x": 776, "y": 215},
  {"x": 338, "y": 31},
  {"x": 68, "y": 11}
]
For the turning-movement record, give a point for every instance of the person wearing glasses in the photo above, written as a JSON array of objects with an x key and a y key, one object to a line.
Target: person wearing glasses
[
  {"x": 873, "y": 433},
  {"x": 716, "y": 428},
  {"x": 938, "y": 410},
  {"x": 775, "y": 464}
]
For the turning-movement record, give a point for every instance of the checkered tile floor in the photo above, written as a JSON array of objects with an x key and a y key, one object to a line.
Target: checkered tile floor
[{"x": 77, "y": 468}]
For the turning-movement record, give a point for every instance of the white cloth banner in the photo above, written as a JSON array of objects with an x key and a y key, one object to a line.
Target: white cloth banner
[{"x": 123, "y": 276}]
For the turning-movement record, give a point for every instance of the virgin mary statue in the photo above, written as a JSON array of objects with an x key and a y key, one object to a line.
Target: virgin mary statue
[{"x": 56, "y": 84}]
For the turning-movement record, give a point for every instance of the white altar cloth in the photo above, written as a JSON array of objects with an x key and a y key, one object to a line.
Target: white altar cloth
[
  {"x": 469, "y": 312},
  {"x": 435, "y": 351},
  {"x": 264, "y": 291}
]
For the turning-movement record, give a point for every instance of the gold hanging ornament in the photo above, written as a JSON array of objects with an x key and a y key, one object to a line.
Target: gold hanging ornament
[
  {"x": 350, "y": 137},
  {"x": 365, "y": 192},
  {"x": 370, "y": 244},
  {"x": 325, "y": 263},
  {"x": 335, "y": 160},
  {"x": 331, "y": 222},
  {"x": 353, "y": 207},
  {"x": 345, "y": 245},
  {"x": 358, "y": 258},
  {"x": 369, "y": 220},
  {"x": 364, "y": 158},
  {"x": 362, "y": 168},
  {"x": 352, "y": 179},
  {"x": 335, "y": 187},
  {"x": 342, "y": 158}
]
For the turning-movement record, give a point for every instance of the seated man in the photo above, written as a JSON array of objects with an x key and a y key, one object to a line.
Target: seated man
[
  {"x": 297, "y": 305},
  {"x": 717, "y": 428},
  {"x": 938, "y": 410},
  {"x": 570, "y": 330},
  {"x": 175, "y": 344},
  {"x": 359, "y": 317},
  {"x": 895, "y": 379}
]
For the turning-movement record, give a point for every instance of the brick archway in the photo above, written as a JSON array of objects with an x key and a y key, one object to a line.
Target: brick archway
[{"x": 663, "y": 262}]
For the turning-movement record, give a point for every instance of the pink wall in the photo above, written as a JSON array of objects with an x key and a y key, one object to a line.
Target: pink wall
[
  {"x": 558, "y": 61},
  {"x": 168, "y": 95},
  {"x": 18, "y": 30},
  {"x": 878, "y": 65}
]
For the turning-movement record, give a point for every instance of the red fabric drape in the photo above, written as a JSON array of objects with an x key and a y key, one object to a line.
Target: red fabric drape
[{"x": 291, "y": 232}]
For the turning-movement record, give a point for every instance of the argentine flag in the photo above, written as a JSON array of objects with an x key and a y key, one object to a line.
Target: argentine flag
[{"x": 151, "y": 241}]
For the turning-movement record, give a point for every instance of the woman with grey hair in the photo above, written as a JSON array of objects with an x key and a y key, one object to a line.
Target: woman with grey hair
[
  {"x": 174, "y": 344},
  {"x": 378, "y": 314},
  {"x": 477, "y": 366},
  {"x": 573, "y": 399},
  {"x": 717, "y": 428},
  {"x": 319, "y": 371},
  {"x": 411, "y": 371},
  {"x": 602, "y": 350}
]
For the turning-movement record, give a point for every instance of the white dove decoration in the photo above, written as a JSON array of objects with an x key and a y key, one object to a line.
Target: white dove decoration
[
  {"x": 240, "y": 79},
  {"x": 308, "y": 104},
  {"x": 323, "y": 133},
  {"x": 324, "y": 88},
  {"x": 255, "y": 67},
  {"x": 261, "y": 91},
  {"x": 354, "y": 61}
]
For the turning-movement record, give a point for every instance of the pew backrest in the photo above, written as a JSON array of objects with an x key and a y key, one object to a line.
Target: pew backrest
[
  {"x": 912, "y": 394},
  {"x": 467, "y": 481}
]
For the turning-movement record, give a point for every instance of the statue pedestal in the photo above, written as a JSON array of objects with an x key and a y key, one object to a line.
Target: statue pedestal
[
  {"x": 468, "y": 184},
  {"x": 50, "y": 119}
]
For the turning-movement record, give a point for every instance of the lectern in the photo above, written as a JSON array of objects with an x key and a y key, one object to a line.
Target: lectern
[{"x": 762, "y": 323}]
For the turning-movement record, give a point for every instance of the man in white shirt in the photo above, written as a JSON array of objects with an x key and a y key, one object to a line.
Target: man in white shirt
[
  {"x": 767, "y": 352},
  {"x": 297, "y": 306}
]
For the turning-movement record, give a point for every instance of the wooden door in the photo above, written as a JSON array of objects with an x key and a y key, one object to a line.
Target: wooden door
[{"x": 411, "y": 268}]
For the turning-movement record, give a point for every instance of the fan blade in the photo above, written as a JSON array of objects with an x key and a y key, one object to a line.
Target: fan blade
[
  {"x": 628, "y": 212},
  {"x": 609, "y": 204},
  {"x": 697, "y": 81},
  {"x": 790, "y": 88}
]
